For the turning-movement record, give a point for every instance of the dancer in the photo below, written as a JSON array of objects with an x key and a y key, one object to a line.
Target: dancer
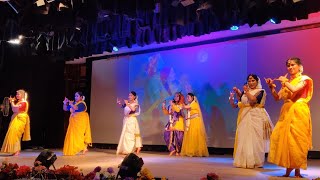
[
  {"x": 78, "y": 135},
  {"x": 20, "y": 124},
  {"x": 194, "y": 140},
  {"x": 292, "y": 136},
  {"x": 173, "y": 134},
  {"x": 253, "y": 124},
  {"x": 130, "y": 139}
]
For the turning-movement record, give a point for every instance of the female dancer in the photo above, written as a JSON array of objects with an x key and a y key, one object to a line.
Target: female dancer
[
  {"x": 194, "y": 140},
  {"x": 253, "y": 124},
  {"x": 173, "y": 134},
  {"x": 20, "y": 124},
  {"x": 292, "y": 137},
  {"x": 78, "y": 135},
  {"x": 130, "y": 139}
]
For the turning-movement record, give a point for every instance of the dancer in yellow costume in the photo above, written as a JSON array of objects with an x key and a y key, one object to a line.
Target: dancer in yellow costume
[
  {"x": 194, "y": 140},
  {"x": 20, "y": 124},
  {"x": 78, "y": 135},
  {"x": 292, "y": 137},
  {"x": 174, "y": 129}
]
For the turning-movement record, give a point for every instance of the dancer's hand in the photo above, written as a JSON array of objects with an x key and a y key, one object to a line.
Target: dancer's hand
[
  {"x": 245, "y": 88},
  {"x": 126, "y": 102},
  {"x": 164, "y": 104},
  {"x": 118, "y": 101},
  {"x": 236, "y": 90},
  {"x": 231, "y": 96},
  {"x": 71, "y": 102},
  {"x": 12, "y": 99},
  {"x": 269, "y": 82},
  {"x": 65, "y": 101},
  {"x": 283, "y": 79}
]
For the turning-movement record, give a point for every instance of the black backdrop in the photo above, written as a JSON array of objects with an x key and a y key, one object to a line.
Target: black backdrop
[{"x": 43, "y": 78}]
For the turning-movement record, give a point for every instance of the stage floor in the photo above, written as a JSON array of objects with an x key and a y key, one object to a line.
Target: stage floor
[{"x": 172, "y": 167}]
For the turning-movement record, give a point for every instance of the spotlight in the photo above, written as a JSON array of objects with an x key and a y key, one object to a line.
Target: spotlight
[
  {"x": 274, "y": 21},
  {"x": 14, "y": 41},
  {"x": 115, "y": 49},
  {"x": 234, "y": 28},
  {"x": 17, "y": 40}
]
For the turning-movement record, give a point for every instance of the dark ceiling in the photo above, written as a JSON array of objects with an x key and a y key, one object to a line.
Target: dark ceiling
[{"x": 69, "y": 29}]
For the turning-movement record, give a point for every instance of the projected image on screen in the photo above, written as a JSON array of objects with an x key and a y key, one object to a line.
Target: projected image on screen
[{"x": 157, "y": 76}]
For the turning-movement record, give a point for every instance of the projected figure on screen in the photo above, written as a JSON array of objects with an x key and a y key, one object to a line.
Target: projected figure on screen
[
  {"x": 130, "y": 139},
  {"x": 253, "y": 124},
  {"x": 78, "y": 135},
  {"x": 195, "y": 136},
  {"x": 292, "y": 137},
  {"x": 19, "y": 124},
  {"x": 173, "y": 134}
]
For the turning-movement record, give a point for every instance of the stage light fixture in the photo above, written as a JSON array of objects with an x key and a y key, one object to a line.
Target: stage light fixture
[
  {"x": 130, "y": 166},
  {"x": 187, "y": 2},
  {"x": 275, "y": 20},
  {"x": 234, "y": 28},
  {"x": 47, "y": 159},
  {"x": 16, "y": 40},
  {"x": 115, "y": 49},
  {"x": 175, "y": 3}
]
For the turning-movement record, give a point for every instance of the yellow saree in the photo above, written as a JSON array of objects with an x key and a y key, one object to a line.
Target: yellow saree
[
  {"x": 19, "y": 124},
  {"x": 292, "y": 137},
  {"x": 78, "y": 135}
]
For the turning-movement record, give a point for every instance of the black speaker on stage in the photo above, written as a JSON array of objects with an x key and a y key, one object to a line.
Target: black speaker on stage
[
  {"x": 130, "y": 166},
  {"x": 47, "y": 158}
]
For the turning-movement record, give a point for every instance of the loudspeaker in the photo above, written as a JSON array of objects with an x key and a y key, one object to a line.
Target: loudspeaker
[
  {"x": 130, "y": 166},
  {"x": 47, "y": 158}
]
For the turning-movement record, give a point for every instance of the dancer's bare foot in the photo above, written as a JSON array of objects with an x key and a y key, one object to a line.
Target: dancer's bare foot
[
  {"x": 288, "y": 171},
  {"x": 138, "y": 150},
  {"x": 172, "y": 152},
  {"x": 297, "y": 173},
  {"x": 177, "y": 154},
  {"x": 84, "y": 151},
  {"x": 16, "y": 153}
]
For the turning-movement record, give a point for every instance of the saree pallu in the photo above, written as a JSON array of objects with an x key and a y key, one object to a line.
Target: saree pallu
[
  {"x": 20, "y": 124},
  {"x": 78, "y": 135}
]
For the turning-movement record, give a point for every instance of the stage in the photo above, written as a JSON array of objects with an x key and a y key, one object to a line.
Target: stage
[{"x": 172, "y": 167}]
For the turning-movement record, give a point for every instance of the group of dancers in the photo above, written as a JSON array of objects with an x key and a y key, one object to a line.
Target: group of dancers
[
  {"x": 291, "y": 138},
  {"x": 287, "y": 143}
]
